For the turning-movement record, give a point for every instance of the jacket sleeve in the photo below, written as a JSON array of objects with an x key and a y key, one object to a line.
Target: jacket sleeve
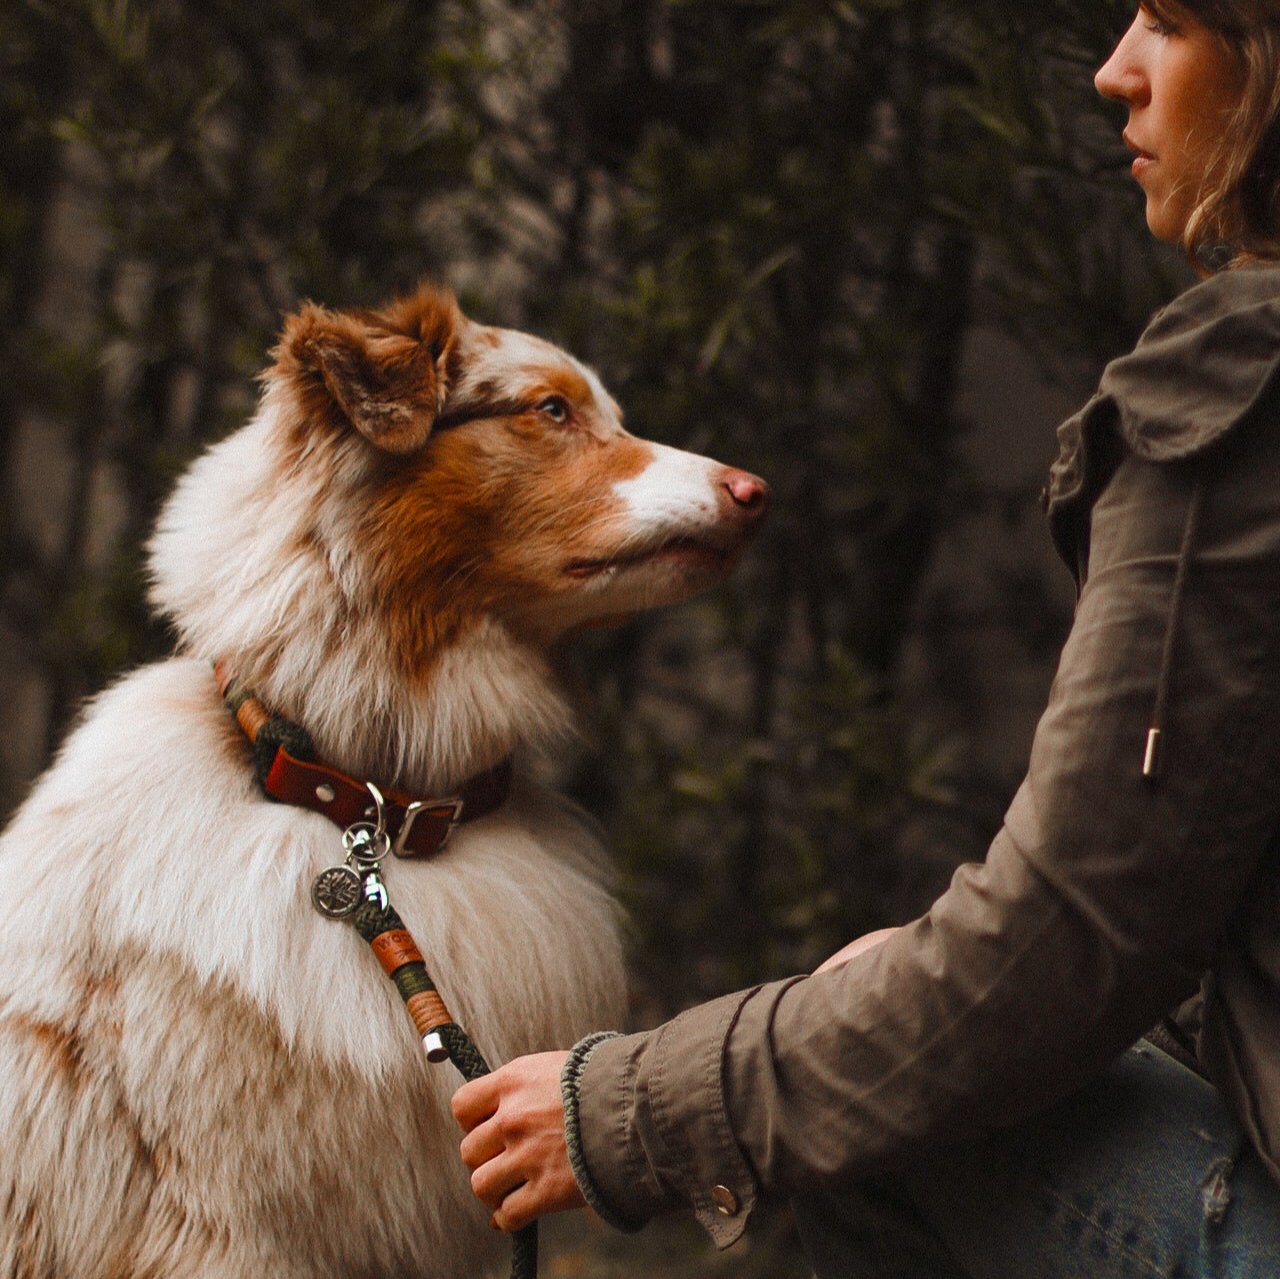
[{"x": 1099, "y": 906}]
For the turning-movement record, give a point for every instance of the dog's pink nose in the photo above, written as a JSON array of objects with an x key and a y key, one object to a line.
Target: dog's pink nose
[{"x": 748, "y": 495}]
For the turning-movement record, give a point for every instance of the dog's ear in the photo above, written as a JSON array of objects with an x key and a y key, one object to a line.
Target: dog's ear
[{"x": 386, "y": 372}]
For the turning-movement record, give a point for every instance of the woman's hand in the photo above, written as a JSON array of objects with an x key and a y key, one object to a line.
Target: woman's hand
[
  {"x": 855, "y": 947},
  {"x": 514, "y": 1125},
  {"x": 514, "y": 1121}
]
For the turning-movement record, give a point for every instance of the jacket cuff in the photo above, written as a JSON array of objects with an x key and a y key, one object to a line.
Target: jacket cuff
[
  {"x": 653, "y": 1131},
  {"x": 570, "y": 1080}
]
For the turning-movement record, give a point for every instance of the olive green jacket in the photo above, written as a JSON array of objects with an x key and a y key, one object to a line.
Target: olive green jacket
[{"x": 1135, "y": 870}]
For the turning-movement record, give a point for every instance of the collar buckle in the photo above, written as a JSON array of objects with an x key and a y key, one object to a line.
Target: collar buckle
[{"x": 450, "y": 808}]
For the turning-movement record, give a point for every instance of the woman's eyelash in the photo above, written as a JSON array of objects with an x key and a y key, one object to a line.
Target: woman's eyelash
[{"x": 1154, "y": 23}]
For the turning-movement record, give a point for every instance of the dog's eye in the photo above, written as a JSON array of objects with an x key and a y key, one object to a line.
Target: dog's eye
[{"x": 555, "y": 408}]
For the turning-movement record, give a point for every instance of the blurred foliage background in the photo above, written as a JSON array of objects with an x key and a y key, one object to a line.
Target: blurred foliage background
[
  {"x": 779, "y": 229},
  {"x": 773, "y": 226}
]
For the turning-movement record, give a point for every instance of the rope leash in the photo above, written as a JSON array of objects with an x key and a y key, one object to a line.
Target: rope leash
[
  {"x": 442, "y": 1037},
  {"x": 354, "y": 890}
]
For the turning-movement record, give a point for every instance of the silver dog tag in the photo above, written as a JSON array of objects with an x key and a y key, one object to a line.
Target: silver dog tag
[{"x": 336, "y": 892}]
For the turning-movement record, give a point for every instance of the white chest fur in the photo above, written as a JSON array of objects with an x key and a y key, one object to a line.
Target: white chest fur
[{"x": 189, "y": 1043}]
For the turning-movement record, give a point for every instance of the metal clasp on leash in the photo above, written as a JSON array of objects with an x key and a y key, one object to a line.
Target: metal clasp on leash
[
  {"x": 366, "y": 846},
  {"x": 338, "y": 891}
]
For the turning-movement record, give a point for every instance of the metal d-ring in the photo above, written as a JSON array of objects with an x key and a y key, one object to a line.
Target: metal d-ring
[
  {"x": 381, "y": 804},
  {"x": 366, "y": 842}
]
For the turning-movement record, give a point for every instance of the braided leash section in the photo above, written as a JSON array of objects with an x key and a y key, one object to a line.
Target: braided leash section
[
  {"x": 462, "y": 1052},
  {"x": 266, "y": 732},
  {"x": 466, "y": 1057},
  {"x": 401, "y": 960}
]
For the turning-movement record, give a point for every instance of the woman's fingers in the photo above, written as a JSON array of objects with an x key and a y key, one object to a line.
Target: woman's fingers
[
  {"x": 474, "y": 1102},
  {"x": 856, "y": 947},
  {"x": 481, "y": 1144},
  {"x": 518, "y": 1209},
  {"x": 493, "y": 1181},
  {"x": 515, "y": 1144}
]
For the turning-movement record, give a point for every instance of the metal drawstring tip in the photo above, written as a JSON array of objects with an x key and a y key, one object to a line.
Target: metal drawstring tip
[
  {"x": 436, "y": 1051},
  {"x": 1151, "y": 761}
]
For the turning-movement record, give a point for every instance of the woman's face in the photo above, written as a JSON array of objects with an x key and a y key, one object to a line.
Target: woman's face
[{"x": 1180, "y": 85}]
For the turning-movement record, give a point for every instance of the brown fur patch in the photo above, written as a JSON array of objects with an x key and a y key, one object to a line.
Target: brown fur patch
[
  {"x": 486, "y": 520},
  {"x": 385, "y": 372},
  {"x": 570, "y": 385},
  {"x": 59, "y": 1046}
]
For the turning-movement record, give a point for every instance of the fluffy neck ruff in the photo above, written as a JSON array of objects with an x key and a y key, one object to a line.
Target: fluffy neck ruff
[{"x": 253, "y": 561}]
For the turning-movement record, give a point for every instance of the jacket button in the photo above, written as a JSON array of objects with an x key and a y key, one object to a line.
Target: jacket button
[{"x": 725, "y": 1200}]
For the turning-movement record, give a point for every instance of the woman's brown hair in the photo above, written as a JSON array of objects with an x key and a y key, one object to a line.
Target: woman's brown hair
[{"x": 1240, "y": 203}]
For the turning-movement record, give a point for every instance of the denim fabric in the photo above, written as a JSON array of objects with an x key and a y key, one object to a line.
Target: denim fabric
[{"x": 1142, "y": 1173}]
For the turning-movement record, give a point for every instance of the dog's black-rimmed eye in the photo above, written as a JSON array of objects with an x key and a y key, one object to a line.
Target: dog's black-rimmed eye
[{"x": 556, "y": 407}]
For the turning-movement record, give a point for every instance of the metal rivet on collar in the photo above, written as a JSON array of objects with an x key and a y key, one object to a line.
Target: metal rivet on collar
[{"x": 325, "y": 793}]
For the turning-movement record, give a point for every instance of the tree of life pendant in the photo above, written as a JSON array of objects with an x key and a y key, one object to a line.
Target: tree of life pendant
[{"x": 336, "y": 892}]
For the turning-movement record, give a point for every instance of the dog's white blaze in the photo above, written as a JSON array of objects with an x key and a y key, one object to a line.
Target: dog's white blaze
[{"x": 676, "y": 490}]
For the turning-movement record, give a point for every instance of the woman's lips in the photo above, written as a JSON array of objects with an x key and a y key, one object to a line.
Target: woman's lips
[{"x": 1142, "y": 160}]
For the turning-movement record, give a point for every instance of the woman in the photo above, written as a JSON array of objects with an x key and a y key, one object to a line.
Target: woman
[{"x": 955, "y": 1098}]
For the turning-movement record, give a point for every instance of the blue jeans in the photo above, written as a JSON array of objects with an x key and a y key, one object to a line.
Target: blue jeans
[{"x": 1143, "y": 1173}]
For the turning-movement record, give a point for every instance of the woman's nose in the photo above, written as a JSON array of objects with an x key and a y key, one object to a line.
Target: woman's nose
[{"x": 1121, "y": 78}]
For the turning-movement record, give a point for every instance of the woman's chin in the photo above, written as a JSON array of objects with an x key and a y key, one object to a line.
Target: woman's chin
[{"x": 1166, "y": 222}]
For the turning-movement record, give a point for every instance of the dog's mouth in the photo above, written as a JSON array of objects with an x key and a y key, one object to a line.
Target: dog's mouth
[{"x": 679, "y": 552}]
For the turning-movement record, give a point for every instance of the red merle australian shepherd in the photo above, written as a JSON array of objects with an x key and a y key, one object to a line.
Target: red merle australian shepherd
[{"x": 201, "y": 1076}]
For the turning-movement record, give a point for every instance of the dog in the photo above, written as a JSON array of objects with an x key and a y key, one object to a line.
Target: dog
[{"x": 201, "y": 1076}]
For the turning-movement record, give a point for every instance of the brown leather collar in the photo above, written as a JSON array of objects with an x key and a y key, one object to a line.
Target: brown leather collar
[{"x": 417, "y": 827}]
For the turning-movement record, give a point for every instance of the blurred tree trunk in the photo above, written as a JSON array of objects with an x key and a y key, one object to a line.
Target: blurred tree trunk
[{"x": 35, "y": 89}]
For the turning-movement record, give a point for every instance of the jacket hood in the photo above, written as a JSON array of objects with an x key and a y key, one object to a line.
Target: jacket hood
[{"x": 1198, "y": 371}]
